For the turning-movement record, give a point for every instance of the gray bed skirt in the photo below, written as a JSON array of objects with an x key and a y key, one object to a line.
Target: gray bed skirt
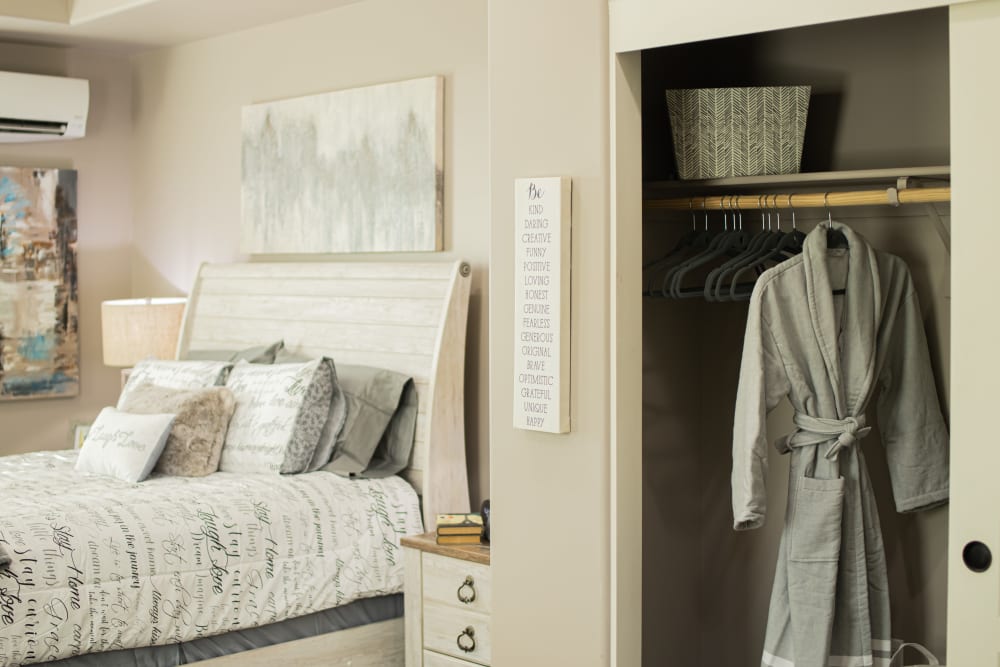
[{"x": 360, "y": 612}]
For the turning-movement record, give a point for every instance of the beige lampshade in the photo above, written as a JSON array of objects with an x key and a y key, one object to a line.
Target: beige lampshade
[{"x": 137, "y": 329}]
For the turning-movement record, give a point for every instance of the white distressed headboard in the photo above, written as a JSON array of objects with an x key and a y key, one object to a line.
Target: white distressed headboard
[{"x": 404, "y": 316}]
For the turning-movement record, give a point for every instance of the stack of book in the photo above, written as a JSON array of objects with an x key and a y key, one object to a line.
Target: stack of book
[{"x": 459, "y": 528}]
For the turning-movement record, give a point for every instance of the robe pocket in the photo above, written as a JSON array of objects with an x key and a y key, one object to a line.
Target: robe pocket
[{"x": 816, "y": 528}]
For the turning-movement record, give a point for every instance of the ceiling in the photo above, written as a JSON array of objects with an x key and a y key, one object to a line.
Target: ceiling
[{"x": 137, "y": 25}]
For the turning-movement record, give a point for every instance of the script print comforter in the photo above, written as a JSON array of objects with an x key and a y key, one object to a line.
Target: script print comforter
[{"x": 100, "y": 564}]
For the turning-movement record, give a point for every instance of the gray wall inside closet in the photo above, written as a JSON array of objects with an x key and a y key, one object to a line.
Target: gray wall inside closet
[
  {"x": 879, "y": 88},
  {"x": 880, "y": 100}
]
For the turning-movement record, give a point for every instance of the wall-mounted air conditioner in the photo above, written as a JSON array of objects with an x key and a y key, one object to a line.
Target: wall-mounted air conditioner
[{"x": 42, "y": 108}]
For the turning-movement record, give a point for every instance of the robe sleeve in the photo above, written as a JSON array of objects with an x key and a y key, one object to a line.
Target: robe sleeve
[
  {"x": 763, "y": 383},
  {"x": 913, "y": 430}
]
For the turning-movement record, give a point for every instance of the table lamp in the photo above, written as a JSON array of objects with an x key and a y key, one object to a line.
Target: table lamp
[{"x": 137, "y": 329}]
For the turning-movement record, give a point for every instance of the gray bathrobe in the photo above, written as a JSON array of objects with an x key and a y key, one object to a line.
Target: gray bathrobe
[{"x": 830, "y": 602}]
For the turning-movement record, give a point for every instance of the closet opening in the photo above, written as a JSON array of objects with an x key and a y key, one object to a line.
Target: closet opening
[{"x": 878, "y": 119}]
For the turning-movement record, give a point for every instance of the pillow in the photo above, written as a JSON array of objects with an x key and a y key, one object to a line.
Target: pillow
[
  {"x": 286, "y": 356},
  {"x": 392, "y": 454},
  {"x": 377, "y": 436},
  {"x": 195, "y": 442},
  {"x": 279, "y": 416},
  {"x": 176, "y": 375},
  {"x": 263, "y": 354},
  {"x": 335, "y": 417},
  {"x": 123, "y": 445}
]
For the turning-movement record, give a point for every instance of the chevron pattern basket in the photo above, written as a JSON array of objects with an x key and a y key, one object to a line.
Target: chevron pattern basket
[{"x": 720, "y": 132}]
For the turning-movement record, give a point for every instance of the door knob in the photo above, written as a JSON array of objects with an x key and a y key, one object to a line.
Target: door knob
[{"x": 977, "y": 556}]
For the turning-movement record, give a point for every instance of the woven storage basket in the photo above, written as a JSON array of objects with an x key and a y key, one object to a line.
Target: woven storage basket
[{"x": 720, "y": 132}]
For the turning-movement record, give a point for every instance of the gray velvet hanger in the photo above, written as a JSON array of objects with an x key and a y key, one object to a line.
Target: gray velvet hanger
[
  {"x": 692, "y": 241},
  {"x": 788, "y": 245},
  {"x": 727, "y": 241},
  {"x": 759, "y": 244},
  {"x": 707, "y": 241}
]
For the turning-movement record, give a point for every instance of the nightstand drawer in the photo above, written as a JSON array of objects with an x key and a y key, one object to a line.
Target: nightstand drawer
[
  {"x": 457, "y": 632},
  {"x": 457, "y": 583},
  {"x": 448, "y": 601},
  {"x": 432, "y": 659}
]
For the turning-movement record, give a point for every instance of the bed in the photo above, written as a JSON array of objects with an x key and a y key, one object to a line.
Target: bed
[{"x": 403, "y": 316}]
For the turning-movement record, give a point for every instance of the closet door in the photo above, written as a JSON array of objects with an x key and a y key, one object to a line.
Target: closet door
[{"x": 974, "y": 595}]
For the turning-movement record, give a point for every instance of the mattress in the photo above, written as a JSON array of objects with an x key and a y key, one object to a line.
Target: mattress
[{"x": 101, "y": 565}]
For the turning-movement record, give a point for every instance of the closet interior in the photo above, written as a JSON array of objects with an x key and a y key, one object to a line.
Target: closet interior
[{"x": 878, "y": 113}]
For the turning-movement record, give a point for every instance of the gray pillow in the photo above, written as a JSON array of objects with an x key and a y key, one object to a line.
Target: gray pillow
[
  {"x": 263, "y": 354},
  {"x": 286, "y": 356},
  {"x": 392, "y": 454},
  {"x": 377, "y": 436},
  {"x": 195, "y": 442}
]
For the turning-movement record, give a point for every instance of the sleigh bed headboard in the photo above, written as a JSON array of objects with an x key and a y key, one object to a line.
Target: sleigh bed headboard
[{"x": 404, "y": 316}]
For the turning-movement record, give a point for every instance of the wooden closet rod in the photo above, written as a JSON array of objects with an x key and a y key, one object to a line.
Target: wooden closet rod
[{"x": 888, "y": 196}]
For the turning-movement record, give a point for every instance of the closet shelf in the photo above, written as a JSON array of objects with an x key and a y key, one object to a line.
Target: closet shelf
[{"x": 654, "y": 189}]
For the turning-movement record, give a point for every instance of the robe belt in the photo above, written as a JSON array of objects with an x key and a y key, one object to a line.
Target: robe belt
[{"x": 811, "y": 430}]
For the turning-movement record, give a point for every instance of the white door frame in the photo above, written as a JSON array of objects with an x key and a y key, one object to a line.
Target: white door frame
[
  {"x": 974, "y": 598},
  {"x": 626, "y": 359}
]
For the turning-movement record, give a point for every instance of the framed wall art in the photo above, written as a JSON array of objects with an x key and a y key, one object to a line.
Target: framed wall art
[
  {"x": 39, "y": 305},
  {"x": 357, "y": 170}
]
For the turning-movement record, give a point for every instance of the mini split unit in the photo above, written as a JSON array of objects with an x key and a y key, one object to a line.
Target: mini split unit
[{"x": 42, "y": 108}]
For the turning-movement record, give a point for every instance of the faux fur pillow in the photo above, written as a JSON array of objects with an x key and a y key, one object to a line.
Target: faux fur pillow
[{"x": 199, "y": 431}]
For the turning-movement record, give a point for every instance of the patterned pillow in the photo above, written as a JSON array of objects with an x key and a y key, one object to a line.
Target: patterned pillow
[
  {"x": 280, "y": 413},
  {"x": 175, "y": 375},
  {"x": 335, "y": 417},
  {"x": 123, "y": 445},
  {"x": 195, "y": 443}
]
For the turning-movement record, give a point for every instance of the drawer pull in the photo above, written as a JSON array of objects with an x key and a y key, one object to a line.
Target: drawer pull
[
  {"x": 467, "y": 597},
  {"x": 467, "y": 640}
]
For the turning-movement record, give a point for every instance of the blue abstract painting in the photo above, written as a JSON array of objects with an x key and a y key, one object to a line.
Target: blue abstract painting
[{"x": 39, "y": 306}]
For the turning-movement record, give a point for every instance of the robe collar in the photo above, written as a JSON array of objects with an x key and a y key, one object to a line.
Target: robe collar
[{"x": 852, "y": 369}]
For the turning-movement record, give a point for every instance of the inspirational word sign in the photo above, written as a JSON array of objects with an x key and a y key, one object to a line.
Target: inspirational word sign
[{"x": 542, "y": 216}]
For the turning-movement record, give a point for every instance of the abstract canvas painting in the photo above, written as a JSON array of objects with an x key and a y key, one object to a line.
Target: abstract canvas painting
[
  {"x": 39, "y": 347},
  {"x": 356, "y": 170}
]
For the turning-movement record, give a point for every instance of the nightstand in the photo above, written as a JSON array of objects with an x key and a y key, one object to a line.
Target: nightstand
[{"x": 447, "y": 603}]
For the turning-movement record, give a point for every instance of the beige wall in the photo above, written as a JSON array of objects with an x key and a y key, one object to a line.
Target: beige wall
[
  {"x": 551, "y": 540},
  {"x": 186, "y": 151},
  {"x": 545, "y": 114},
  {"x": 104, "y": 231}
]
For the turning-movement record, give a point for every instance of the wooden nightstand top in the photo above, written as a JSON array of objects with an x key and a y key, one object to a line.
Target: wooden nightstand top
[{"x": 476, "y": 553}]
